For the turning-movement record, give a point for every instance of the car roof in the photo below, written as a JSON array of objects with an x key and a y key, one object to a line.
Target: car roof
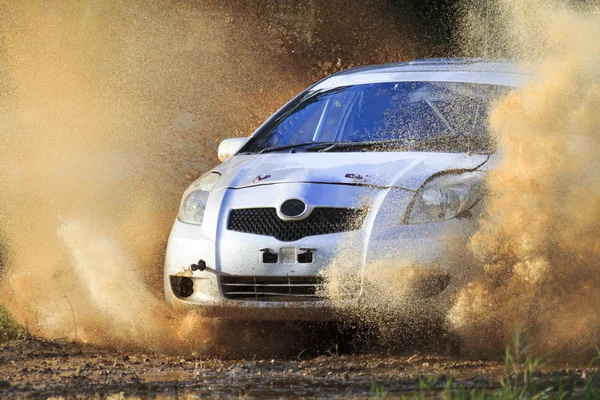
[{"x": 471, "y": 70}]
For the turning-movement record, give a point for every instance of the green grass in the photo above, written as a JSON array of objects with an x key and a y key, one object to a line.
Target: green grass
[
  {"x": 9, "y": 329},
  {"x": 523, "y": 380},
  {"x": 377, "y": 390}
]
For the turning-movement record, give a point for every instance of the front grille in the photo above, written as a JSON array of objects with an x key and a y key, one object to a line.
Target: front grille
[
  {"x": 275, "y": 288},
  {"x": 321, "y": 221}
]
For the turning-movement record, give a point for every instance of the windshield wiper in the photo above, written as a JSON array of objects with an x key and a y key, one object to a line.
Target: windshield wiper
[
  {"x": 314, "y": 146},
  {"x": 446, "y": 143},
  {"x": 323, "y": 147},
  {"x": 373, "y": 144}
]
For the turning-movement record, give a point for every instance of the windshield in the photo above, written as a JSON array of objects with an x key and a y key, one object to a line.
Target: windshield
[{"x": 401, "y": 116}]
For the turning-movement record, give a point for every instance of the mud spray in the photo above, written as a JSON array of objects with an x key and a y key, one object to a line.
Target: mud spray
[
  {"x": 540, "y": 238},
  {"x": 108, "y": 110},
  {"x": 537, "y": 246}
]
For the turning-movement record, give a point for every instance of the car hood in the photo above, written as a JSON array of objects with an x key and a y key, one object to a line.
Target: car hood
[{"x": 407, "y": 170}]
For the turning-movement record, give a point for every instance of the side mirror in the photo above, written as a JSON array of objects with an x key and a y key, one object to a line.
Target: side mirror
[{"x": 228, "y": 147}]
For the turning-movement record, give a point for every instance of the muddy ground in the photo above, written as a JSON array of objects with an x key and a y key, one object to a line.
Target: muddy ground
[
  {"x": 39, "y": 368},
  {"x": 36, "y": 367}
]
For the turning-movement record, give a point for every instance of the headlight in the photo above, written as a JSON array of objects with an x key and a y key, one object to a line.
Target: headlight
[
  {"x": 445, "y": 197},
  {"x": 195, "y": 198}
]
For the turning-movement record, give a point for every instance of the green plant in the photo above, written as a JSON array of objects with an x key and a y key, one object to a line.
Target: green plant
[
  {"x": 523, "y": 379},
  {"x": 596, "y": 359},
  {"x": 9, "y": 329},
  {"x": 521, "y": 367},
  {"x": 378, "y": 391}
]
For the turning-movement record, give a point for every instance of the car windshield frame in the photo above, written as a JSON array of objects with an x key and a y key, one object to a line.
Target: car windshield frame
[{"x": 446, "y": 109}]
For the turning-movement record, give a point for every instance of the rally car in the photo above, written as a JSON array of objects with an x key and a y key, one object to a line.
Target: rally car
[{"x": 375, "y": 164}]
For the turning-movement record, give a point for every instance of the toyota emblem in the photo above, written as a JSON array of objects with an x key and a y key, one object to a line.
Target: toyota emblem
[{"x": 293, "y": 208}]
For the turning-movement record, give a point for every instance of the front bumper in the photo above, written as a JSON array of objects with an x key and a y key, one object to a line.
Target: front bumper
[
  {"x": 207, "y": 296},
  {"x": 382, "y": 240},
  {"x": 266, "y": 311}
]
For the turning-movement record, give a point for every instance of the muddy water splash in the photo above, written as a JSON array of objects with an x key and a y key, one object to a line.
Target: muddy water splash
[
  {"x": 64, "y": 158},
  {"x": 105, "y": 109},
  {"x": 540, "y": 238},
  {"x": 403, "y": 304},
  {"x": 534, "y": 259}
]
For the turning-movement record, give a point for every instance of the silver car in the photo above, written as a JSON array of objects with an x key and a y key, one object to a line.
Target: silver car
[{"x": 376, "y": 164}]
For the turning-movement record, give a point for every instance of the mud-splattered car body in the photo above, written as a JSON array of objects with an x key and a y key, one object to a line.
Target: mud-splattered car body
[{"x": 256, "y": 233}]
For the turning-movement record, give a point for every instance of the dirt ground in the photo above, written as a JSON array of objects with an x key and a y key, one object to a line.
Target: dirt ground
[
  {"x": 39, "y": 368},
  {"x": 42, "y": 369}
]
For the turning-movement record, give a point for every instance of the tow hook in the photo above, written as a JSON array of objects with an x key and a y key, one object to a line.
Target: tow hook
[{"x": 201, "y": 266}]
